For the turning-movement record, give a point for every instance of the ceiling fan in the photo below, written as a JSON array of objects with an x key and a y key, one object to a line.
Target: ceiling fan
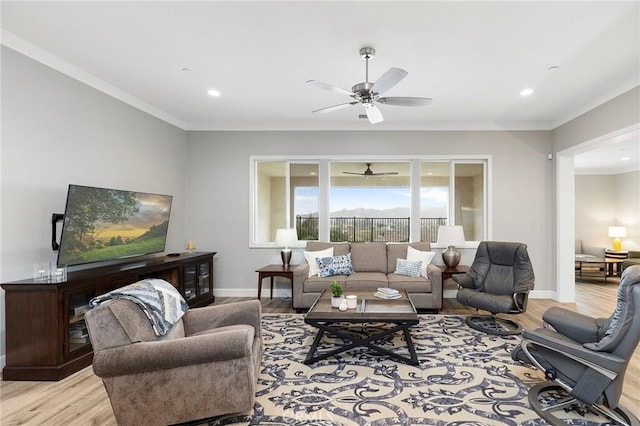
[
  {"x": 368, "y": 172},
  {"x": 367, "y": 93}
]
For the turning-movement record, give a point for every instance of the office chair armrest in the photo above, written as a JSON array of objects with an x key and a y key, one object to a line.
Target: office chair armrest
[
  {"x": 604, "y": 362},
  {"x": 581, "y": 328},
  {"x": 464, "y": 281}
]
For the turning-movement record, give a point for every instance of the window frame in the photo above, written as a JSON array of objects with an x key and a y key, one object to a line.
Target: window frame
[{"x": 324, "y": 178}]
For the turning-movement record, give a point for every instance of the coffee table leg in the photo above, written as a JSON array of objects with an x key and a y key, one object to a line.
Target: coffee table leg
[{"x": 366, "y": 342}]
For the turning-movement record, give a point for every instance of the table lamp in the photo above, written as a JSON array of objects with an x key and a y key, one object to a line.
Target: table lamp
[
  {"x": 452, "y": 237},
  {"x": 286, "y": 238},
  {"x": 617, "y": 232}
]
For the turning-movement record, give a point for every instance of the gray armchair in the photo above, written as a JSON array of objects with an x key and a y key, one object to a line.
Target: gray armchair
[
  {"x": 585, "y": 357},
  {"x": 498, "y": 281},
  {"x": 206, "y": 365}
]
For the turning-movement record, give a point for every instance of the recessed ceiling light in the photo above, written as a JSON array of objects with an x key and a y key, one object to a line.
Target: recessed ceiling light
[
  {"x": 526, "y": 92},
  {"x": 213, "y": 92},
  {"x": 626, "y": 158}
]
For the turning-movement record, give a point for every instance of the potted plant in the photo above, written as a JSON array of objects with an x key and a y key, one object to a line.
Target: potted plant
[{"x": 336, "y": 294}]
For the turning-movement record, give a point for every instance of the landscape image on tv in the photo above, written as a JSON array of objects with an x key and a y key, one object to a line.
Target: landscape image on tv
[{"x": 108, "y": 224}]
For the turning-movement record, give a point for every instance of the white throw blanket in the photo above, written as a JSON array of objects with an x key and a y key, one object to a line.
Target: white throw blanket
[{"x": 159, "y": 300}]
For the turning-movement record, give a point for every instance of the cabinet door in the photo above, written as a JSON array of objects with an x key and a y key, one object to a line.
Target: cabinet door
[
  {"x": 190, "y": 282},
  {"x": 204, "y": 278},
  {"x": 76, "y": 337}
]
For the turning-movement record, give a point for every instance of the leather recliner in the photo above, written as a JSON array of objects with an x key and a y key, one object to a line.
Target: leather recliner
[
  {"x": 498, "y": 281},
  {"x": 585, "y": 358}
]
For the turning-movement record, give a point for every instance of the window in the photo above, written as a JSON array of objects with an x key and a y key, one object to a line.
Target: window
[
  {"x": 434, "y": 198},
  {"x": 369, "y": 207},
  {"x": 285, "y": 190},
  {"x": 469, "y": 199},
  {"x": 399, "y": 200}
]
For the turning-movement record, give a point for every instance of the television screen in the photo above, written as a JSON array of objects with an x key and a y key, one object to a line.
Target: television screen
[{"x": 108, "y": 224}]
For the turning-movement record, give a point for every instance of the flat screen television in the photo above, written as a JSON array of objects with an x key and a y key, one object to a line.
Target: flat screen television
[{"x": 103, "y": 225}]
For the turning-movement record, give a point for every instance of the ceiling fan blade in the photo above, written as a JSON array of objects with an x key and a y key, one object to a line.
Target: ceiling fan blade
[
  {"x": 387, "y": 80},
  {"x": 329, "y": 87},
  {"x": 373, "y": 114},
  {"x": 335, "y": 107},
  {"x": 384, "y": 174},
  {"x": 353, "y": 173},
  {"x": 406, "y": 101}
]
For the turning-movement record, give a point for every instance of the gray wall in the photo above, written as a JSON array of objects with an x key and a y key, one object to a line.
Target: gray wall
[
  {"x": 618, "y": 113},
  {"x": 218, "y": 188},
  {"x": 57, "y": 131},
  {"x": 608, "y": 200}
]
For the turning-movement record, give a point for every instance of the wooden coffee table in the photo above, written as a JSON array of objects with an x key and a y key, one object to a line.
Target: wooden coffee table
[{"x": 400, "y": 314}]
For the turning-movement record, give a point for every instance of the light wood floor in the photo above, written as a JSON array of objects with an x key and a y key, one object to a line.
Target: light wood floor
[{"x": 80, "y": 399}]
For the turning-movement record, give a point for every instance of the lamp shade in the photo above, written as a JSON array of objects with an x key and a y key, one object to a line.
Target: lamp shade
[
  {"x": 617, "y": 231},
  {"x": 451, "y": 236},
  {"x": 286, "y": 237}
]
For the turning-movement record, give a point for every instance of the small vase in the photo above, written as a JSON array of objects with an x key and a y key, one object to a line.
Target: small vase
[{"x": 336, "y": 301}]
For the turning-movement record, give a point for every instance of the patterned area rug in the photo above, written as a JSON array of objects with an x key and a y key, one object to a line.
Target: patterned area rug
[{"x": 464, "y": 378}]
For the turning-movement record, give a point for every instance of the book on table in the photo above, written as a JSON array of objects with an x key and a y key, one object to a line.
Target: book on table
[{"x": 387, "y": 293}]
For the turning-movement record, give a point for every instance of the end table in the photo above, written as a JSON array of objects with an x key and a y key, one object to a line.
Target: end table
[
  {"x": 450, "y": 272},
  {"x": 271, "y": 271}
]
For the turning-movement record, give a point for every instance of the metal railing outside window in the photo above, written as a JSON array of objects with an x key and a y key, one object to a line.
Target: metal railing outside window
[{"x": 369, "y": 229}]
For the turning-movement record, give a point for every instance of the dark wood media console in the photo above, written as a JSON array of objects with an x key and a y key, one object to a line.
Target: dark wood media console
[{"x": 46, "y": 335}]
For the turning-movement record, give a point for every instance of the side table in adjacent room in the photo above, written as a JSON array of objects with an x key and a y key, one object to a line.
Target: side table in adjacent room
[
  {"x": 271, "y": 271},
  {"x": 614, "y": 260},
  {"x": 447, "y": 273}
]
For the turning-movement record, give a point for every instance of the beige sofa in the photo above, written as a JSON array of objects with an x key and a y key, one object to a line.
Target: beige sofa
[{"x": 374, "y": 264}]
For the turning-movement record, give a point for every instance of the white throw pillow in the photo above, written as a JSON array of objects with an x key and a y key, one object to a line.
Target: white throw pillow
[
  {"x": 311, "y": 257},
  {"x": 424, "y": 256}
]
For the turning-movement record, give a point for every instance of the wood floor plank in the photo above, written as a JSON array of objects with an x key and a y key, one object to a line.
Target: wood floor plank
[{"x": 81, "y": 399}]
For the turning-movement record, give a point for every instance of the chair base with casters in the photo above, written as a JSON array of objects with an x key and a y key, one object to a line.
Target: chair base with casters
[
  {"x": 584, "y": 358},
  {"x": 540, "y": 392},
  {"x": 493, "y": 325}
]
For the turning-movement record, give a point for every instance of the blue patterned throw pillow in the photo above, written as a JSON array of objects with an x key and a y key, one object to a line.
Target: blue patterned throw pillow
[
  {"x": 410, "y": 268},
  {"x": 336, "y": 265}
]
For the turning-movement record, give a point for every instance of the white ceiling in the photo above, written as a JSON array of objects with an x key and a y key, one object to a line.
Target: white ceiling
[{"x": 473, "y": 58}]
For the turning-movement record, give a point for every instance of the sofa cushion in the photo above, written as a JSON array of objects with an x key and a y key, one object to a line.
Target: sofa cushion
[
  {"x": 411, "y": 284},
  {"x": 311, "y": 257},
  {"x": 366, "y": 281},
  {"x": 335, "y": 265},
  {"x": 338, "y": 248},
  {"x": 424, "y": 256},
  {"x": 369, "y": 257},
  {"x": 399, "y": 250},
  {"x": 410, "y": 268},
  {"x": 316, "y": 284}
]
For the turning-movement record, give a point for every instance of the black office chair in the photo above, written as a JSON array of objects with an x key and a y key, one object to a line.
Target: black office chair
[
  {"x": 498, "y": 281},
  {"x": 584, "y": 358}
]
